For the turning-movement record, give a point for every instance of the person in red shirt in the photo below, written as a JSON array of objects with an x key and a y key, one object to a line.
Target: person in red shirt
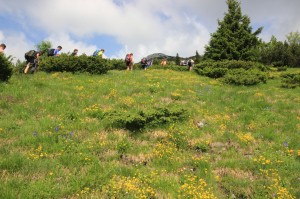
[{"x": 129, "y": 61}]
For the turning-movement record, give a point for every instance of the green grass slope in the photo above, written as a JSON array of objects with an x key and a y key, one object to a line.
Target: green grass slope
[{"x": 74, "y": 136}]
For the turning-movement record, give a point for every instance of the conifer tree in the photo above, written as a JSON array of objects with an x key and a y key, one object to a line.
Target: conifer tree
[
  {"x": 233, "y": 39},
  {"x": 177, "y": 59},
  {"x": 197, "y": 58}
]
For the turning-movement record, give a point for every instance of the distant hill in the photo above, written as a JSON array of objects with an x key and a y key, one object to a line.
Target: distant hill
[{"x": 160, "y": 56}]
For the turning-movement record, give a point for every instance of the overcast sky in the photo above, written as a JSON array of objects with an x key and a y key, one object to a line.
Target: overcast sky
[{"x": 139, "y": 26}]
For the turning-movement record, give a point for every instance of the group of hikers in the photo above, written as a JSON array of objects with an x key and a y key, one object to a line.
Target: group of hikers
[{"x": 33, "y": 58}]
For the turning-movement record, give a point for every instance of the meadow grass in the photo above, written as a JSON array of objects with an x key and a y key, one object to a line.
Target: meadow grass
[{"x": 57, "y": 141}]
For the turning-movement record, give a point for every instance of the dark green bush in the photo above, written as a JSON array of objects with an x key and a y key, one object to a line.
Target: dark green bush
[
  {"x": 290, "y": 80},
  {"x": 6, "y": 68},
  {"x": 212, "y": 72},
  {"x": 282, "y": 68},
  {"x": 145, "y": 118},
  {"x": 245, "y": 77},
  {"x": 234, "y": 72},
  {"x": 232, "y": 64},
  {"x": 83, "y": 63},
  {"x": 116, "y": 64}
]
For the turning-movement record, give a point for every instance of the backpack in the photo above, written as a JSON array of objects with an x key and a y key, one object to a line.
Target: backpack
[
  {"x": 95, "y": 54},
  {"x": 50, "y": 52},
  {"x": 30, "y": 54},
  {"x": 128, "y": 58}
]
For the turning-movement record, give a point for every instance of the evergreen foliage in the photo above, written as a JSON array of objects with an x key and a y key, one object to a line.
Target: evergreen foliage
[
  {"x": 6, "y": 68},
  {"x": 197, "y": 58},
  {"x": 177, "y": 60},
  {"x": 281, "y": 54},
  {"x": 234, "y": 39},
  {"x": 43, "y": 46}
]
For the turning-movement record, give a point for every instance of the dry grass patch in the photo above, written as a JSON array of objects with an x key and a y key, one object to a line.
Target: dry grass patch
[{"x": 235, "y": 173}]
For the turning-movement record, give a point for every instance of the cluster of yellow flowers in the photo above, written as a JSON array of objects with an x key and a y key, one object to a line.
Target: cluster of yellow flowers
[
  {"x": 94, "y": 107},
  {"x": 292, "y": 152},
  {"x": 85, "y": 191},
  {"x": 258, "y": 94},
  {"x": 222, "y": 128},
  {"x": 127, "y": 101},
  {"x": 79, "y": 88},
  {"x": 246, "y": 137},
  {"x": 37, "y": 153},
  {"x": 275, "y": 188},
  {"x": 127, "y": 187},
  {"x": 262, "y": 160},
  {"x": 113, "y": 93},
  {"x": 165, "y": 150},
  {"x": 194, "y": 187},
  {"x": 176, "y": 96}
]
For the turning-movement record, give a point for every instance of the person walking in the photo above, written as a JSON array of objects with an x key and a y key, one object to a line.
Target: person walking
[
  {"x": 57, "y": 51},
  {"x": 99, "y": 53},
  {"x": 129, "y": 61},
  {"x": 32, "y": 59},
  {"x": 190, "y": 64},
  {"x": 74, "y": 53}
]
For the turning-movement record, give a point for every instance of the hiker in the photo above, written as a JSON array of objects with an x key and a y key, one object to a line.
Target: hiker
[
  {"x": 2, "y": 48},
  {"x": 129, "y": 61},
  {"x": 144, "y": 63},
  {"x": 149, "y": 62},
  {"x": 32, "y": 60},
  {"x": 163, "y": 62},
  {"x": 190, "y": 64},
  {"x": 74, "y": 53},
  {"x": 99, "y": 53},
  {"x": 57, "y": 51}
]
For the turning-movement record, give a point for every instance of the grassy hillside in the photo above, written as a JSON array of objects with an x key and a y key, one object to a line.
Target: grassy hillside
[{"x": 74, "y": 136}]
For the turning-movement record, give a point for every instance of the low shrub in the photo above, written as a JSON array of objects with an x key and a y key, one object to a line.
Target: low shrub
[
  {"x": 116, "y": 64},
  {"x": 282, "y": 68},
  {"x": 234, "y": 72},
  {"x": 232, "y": 64},
  {"x": 139, "y": 120},
  {"x": 245, "y": 77},
  {"x": 83, "y": 63},
  {"x": 6, "y": 68},
  {"x": 212, "y": 72},
  {"x": 290, "y": 80}
]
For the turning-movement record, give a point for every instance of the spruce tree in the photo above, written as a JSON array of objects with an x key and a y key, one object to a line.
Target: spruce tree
[
  {"x": 177, "y": 59},
  {"x": 197, "y": 57},
  {"x": 233, "y": 39}
]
